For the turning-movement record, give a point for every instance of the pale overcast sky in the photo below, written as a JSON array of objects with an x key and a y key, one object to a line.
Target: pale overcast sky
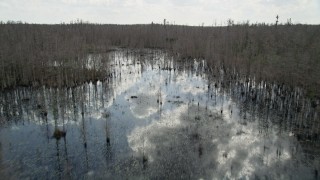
[{"x": 191, "y": 12}]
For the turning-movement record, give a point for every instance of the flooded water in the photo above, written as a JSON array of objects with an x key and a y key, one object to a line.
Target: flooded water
[{"x": 156, "y": 118}]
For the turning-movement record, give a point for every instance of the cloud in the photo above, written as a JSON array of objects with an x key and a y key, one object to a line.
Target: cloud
[
  {"x": 87, "y": 2},
  {"x": 192, "y": 12}
]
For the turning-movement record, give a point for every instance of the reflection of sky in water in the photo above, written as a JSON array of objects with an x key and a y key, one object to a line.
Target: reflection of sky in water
[{"x": 182, "y": 127}]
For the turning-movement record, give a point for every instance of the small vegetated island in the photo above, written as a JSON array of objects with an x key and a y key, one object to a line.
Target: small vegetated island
[{"x": 159, "y": 101}]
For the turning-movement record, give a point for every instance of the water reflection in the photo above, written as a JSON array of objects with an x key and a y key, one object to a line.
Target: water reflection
[{"x": 153, "y": 117}]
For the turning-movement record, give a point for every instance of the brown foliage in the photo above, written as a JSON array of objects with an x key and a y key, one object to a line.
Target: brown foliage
[{"x": 287, "y": 53}]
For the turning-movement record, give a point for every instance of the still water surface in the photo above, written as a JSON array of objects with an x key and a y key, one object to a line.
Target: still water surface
[{"x": 155, "y": 118}]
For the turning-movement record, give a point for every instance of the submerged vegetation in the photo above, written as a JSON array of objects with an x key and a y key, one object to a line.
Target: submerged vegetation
[{"x": 56, "y": 55}]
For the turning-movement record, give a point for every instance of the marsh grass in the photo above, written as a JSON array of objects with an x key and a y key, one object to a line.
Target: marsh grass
[{"x": 285, "y": 53}]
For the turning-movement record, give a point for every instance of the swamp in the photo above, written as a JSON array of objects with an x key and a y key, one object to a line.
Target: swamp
[{"x": 159, "y": 102}]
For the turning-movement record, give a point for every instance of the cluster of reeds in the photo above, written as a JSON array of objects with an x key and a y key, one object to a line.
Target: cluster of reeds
[{"x": 284, "y": 53}]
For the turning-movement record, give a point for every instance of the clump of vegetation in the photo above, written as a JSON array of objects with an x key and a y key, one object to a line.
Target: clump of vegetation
[
  {"x": 58, "y": 134},
  {"x": 57, "y": 55},
  {"x": 107, "y": 115}
]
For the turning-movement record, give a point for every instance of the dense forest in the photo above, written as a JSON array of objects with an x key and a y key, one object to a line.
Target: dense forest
[{"x": 56, "y": 55}]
